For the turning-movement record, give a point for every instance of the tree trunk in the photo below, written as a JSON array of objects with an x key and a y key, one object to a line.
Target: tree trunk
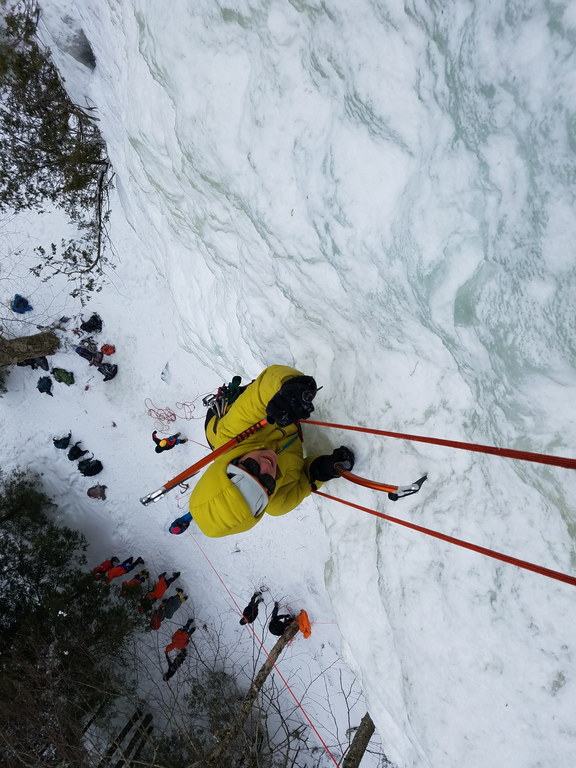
[
  {"x": 214, "y": 756},
  {"x": 17, "y": 350},
  {"x": 359, "y": 742}
]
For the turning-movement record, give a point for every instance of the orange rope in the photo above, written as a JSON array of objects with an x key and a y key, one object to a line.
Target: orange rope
[
  {"x": 280, "y": 675},
  {"x": 451, "y": 540},
  {"x": 510, "y": 453}
]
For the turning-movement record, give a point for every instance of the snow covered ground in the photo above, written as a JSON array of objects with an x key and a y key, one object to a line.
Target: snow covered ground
[{"x": 382, "y": 195}]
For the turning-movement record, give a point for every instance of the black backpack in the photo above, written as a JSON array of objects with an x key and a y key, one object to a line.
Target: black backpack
[
  {"x": 35, "y": 362},
  {"x": 45, "y": 385},
  {"x": 62, "y": 442},
  {"x": 75, "y": 452},
  {"x": 108, "y": 370},
  {"x": 90, "y": 467},
  {"x": 93, "y": 324}
]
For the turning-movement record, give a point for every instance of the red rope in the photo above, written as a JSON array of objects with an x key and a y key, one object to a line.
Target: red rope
[
  {"x": 280, "y": 675},
  {"x": 451, "y": 540},
  {"x": 510, "y": 453}
]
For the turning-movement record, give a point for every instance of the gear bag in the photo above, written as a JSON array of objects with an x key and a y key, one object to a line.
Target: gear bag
[
  {"x": 97, "y": 492},
  {"x": 64, "y": 377},
  {"x": 108, "y": 370},
  {"x": 62, "y": 442},
  {"x": 45, "y": 385},
  {"x": 35, "y": 362},
  {"x": 75, "y": 452},
  {"x": 21, "y": 305},
  {"x": 90, "y": 467},
  {"x": 93, "y": 324}
]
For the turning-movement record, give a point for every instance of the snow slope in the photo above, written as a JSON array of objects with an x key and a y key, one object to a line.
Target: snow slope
[{"x": 380, "y": 194}]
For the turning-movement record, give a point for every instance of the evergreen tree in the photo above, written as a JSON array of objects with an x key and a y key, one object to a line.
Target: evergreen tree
[
  {"x": 61, "y": 632},
  {"x": 51, "y": 151}
]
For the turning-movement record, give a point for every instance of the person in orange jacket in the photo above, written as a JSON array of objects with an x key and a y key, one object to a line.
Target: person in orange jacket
[
  {"x": 181, "y": 637},
  {"x": 131, "y": 588},
  {"x": 120, "y": 570},
  {"x": 157, "y": 592},
  {"x": 104, "y": 567}
]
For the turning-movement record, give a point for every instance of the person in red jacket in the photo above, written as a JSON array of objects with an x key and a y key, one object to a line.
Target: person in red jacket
[
  {"x": 104, "y": 567},
  {"x": 157, "y": 592},
  {"x": 181, "y": 637},
  {"x": 121, "y": 569}
]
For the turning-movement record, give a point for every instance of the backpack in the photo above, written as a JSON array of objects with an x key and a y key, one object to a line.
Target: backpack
[
  {"x": 93, "y": 324},
  {"x": 90, "y": 467},
  {"x": 108, "y": 349},
  {"x": 62, "y": 376},
  {"x": 108, "y": 371},
  {"x": 89, "y": 344},
  {"x": 35, "y": 362},
  {"x": 21, "y": 305},
  {"x": 75, "y": 452},
  {"x": 85, "y": 352},
  {"x": 62, "y": 442},
  {"x": 45, "y": 385},
  {"x": 97, "y": 492}
]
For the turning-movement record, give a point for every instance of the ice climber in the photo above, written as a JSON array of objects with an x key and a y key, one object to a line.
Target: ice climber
[{"x": 266, "y": 472}]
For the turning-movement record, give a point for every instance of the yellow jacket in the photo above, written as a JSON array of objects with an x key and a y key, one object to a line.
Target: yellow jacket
[{"x": 216, "y": 504}]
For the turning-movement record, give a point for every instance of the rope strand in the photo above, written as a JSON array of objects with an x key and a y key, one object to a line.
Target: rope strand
[
  {"x": 510, "y": 453},
  {"x": 280, "y": 675},
  {"x": 566, "y": 578}
]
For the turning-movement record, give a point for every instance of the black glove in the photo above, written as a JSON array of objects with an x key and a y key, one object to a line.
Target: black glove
[
  {"x": 322, "y": 468},
  {"x": 292, "y": 402}
]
